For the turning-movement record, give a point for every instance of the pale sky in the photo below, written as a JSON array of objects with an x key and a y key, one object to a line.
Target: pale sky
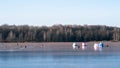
[{"x": 50, "y": 12}]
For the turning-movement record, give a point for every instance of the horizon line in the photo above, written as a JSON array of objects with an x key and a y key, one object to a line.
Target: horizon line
[{"x": 59, "y": 24}]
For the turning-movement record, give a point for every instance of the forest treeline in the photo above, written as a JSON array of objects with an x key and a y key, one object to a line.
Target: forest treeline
[{"x": 58, "y": 33}]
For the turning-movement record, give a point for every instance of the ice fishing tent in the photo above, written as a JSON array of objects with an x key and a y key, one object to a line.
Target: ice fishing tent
[
  {"x": 95, "y": 46},
  {"x": 101, "y": 44},
  {"x": 84, "y": 44},
  {"x": 74, "y": 45}
]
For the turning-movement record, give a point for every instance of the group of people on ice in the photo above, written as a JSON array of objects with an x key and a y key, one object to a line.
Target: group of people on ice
[{"x": 96, "y": 46}]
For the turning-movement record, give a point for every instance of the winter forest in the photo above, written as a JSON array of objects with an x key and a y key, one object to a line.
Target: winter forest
[{"x": 58, "y": 33}]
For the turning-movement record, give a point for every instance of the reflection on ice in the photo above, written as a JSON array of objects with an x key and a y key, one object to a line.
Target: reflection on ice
[
  {"x": 100, "y": 48},
  {"x": 83, "y": 47}
]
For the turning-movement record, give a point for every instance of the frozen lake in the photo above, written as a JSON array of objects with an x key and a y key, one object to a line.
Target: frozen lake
[
  {"x": 58, "y": 55},
  {"x": 59, "y": 60}
]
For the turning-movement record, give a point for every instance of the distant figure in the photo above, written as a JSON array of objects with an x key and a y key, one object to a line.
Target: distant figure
[
  {"x": 107, "y": 45},
  {"x": 25, "y": 46},
  {"x": 42, "y": 45},
  {"x": 75, "y": 46}
]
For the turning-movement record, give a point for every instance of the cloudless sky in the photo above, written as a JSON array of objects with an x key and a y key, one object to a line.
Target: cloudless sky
[{"x": 50, "y": 12}]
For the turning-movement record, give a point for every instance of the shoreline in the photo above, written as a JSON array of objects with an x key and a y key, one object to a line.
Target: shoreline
[{"x": 52, "y": 46}]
